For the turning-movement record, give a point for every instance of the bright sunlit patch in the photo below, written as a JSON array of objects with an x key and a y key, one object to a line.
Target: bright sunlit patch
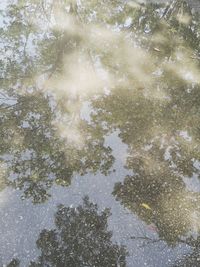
[
  {"x": 185, "y": 66},
  {"x": 128, "y": 22},
  {"x": 184, "y": 18},
  {"x": 66, "y": 21}
]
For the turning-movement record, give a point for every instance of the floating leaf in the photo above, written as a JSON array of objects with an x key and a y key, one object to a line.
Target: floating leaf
[
  {"x": 146, "y": 206},
  {"x": 157, "y": 49}
]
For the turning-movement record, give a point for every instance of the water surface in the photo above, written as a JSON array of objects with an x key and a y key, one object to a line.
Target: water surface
[{"x": 99, "y": 127}]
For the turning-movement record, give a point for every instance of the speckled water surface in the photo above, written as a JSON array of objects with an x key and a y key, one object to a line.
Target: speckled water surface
[{"x": 99, "y": 133}]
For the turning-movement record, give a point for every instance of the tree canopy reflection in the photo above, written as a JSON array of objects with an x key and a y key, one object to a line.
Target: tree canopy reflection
[
  {"x": 148, "y": 58},
  {"x": 191, "y": 259},
  {"x": 35, "y": 154},
  {"x": 159, "y": 123},
  {"x": 80, "y": 238}
]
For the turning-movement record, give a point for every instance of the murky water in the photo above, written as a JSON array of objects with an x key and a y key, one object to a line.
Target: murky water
[{"x": 99, "y": 133}]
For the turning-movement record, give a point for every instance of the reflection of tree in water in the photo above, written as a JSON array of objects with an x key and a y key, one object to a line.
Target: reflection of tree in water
[
  {"x": 159, "y": 123},
  {"x": 191, "y": 260},
  {"x": 34, "y": 153},
  {"x": 160, "y": 201},
  {"x": 80, "y": 238},
  {"x": 14, "y": 263},
  {"x": 31, "y": 148},
  {"x": 154, "y": 103}
]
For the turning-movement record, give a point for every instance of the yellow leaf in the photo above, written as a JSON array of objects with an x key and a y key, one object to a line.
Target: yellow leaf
[{"x": 146, "y": 206}]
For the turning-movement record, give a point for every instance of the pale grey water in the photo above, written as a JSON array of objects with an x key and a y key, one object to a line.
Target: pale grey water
[{"x": 90, "y": 101}]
